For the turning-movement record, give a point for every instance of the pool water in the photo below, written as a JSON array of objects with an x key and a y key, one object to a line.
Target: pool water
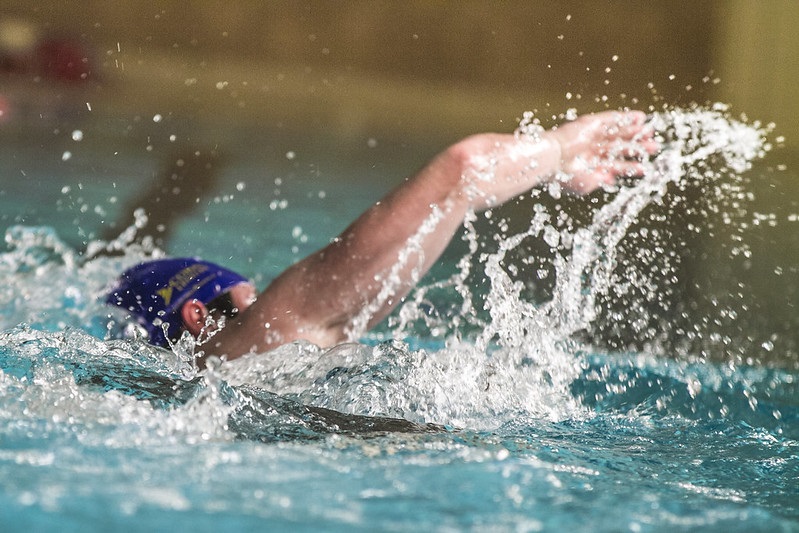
[{"x": 477, "y": 406}]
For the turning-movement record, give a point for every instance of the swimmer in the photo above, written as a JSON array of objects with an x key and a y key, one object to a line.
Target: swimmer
[{"x": 320, "y": 298}]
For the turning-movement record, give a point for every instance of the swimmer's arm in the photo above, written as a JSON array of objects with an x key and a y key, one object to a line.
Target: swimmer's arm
[{"x": 319, "y": 298}]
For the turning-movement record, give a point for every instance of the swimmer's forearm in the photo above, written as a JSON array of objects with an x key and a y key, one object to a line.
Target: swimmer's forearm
[
  {"x": 476, "y": 173},
  {"x": 328, "y": 289},
  {"x": 323, "y": 297}
]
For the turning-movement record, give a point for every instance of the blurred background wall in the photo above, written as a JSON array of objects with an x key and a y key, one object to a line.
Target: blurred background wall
[
  {"x": 432, "y": 67},
  {"x": 258, "y": 77}
]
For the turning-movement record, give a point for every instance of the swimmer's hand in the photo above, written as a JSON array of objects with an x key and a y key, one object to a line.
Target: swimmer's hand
[
  {"x": 597, "y": 149},
  {"x": 583, "y": 155}
]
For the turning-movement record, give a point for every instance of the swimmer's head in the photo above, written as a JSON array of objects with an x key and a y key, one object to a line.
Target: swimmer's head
[{"x": 159, "y": 292}]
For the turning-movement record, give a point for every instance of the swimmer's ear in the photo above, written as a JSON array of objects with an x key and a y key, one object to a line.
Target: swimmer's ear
[{"x": 193, "y": 314}]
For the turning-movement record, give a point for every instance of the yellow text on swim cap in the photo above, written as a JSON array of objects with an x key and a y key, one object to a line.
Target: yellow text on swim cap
[{"x": 180, "y": 281}]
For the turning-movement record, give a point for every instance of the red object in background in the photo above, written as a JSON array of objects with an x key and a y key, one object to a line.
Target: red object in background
[
  {"x": 5, "y": 109},
  {"x": 63, "y": 59},
  {"x": 40, "y": 76}
]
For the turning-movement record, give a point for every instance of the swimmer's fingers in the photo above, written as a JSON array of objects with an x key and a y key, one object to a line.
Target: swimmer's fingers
[
  {"x": 590, "y": 180},
  {"x": 623, "y": 124},
  {"x": 645, "y": 141},
  {"x": 638, "y": 150},
  {"x": 610, "y": 134},
  {"x": 649, "y": 145},
  {"x": 626, "y": 169},
  {"x": 606, "y": 176},
  {"x": 630, "y": 127}
]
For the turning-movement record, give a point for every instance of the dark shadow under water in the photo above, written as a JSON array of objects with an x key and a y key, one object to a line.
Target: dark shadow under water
[{"x": 257, "y": 414}]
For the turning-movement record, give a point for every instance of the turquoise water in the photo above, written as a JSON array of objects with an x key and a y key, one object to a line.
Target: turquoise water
[{"x": 486, "y": 403}]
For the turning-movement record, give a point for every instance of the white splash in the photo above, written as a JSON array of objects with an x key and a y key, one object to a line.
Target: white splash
[{"x": 493, "y": 358}]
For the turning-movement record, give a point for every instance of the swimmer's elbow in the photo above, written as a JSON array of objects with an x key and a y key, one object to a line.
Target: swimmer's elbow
[{"x": 464, "y": 157}]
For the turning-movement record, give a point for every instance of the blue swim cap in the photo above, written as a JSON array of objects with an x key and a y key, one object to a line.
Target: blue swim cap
[{"x": 155, "y": 291}]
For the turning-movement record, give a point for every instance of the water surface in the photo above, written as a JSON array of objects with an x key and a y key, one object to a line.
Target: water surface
[{"x": 485, "y": 403}]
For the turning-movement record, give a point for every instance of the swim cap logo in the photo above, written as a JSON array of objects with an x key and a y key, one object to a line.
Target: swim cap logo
[{"x": 180, "y": 281}]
